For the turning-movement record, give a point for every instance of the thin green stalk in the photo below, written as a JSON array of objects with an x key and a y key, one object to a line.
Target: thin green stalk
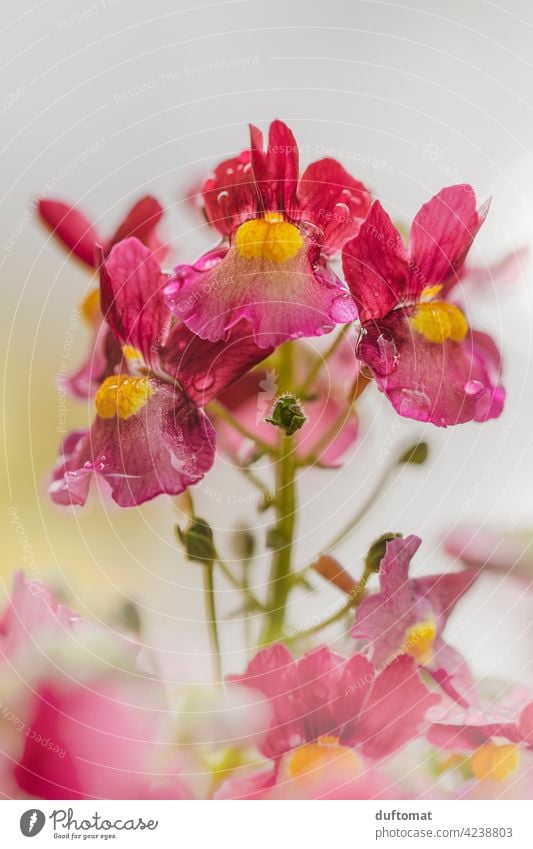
[
  {"x": 241, "y": 586},
  {"x": 211, "y": 616},
  {"x": 281, "y": 578},
  {"x": 355, "y": 598}
]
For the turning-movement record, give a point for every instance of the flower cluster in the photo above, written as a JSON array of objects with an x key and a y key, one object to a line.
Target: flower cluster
[
  {"x": 165, "y": 345},
  {"x": 225, "y": 353}
]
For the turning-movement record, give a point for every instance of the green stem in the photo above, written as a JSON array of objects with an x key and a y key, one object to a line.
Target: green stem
[
  {"x": 211, "y": 614},
  {"x": 281, "y": 578},
  {"x": 241, "y": 586},
  {"x": 354, "y": 600}
]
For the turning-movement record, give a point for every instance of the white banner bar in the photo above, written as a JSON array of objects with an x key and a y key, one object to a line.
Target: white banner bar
[{"x": 268, "y": 825}]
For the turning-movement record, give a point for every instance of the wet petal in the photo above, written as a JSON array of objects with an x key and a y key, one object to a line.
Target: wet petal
[
  {"x": 330, "y": 198},
  {"x": 444, "y": 383},
  {"x": 230, "y": 194},
  {"x": 376, "y": 267},
  {"x": 277, "y": 301},
  {"x": 166, "y": 446},
  {"x": 443, "y": 231}
]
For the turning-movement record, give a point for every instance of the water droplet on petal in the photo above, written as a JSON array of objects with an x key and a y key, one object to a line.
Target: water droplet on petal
[
  {"x": 343, "y": 309},
  {"x": 204, "y": 382},
  {"x": 229, "y": 171},
  {"x": 222, "y": 197},
  {"x": 473, "y": 387}
]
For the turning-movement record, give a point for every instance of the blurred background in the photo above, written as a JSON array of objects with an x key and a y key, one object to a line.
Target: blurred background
[{"x": 102, "y": 102}]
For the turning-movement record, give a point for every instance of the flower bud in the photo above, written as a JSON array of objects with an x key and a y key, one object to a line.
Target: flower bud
[
  {"x": 417, "y": 454},
  {"x": 287, "y": 414},
  {"x": 376, "y": 552},
  {"x": 197, "y": 541}
]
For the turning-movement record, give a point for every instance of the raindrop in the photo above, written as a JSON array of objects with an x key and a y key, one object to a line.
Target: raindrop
[
  {"x": 473, "y": 387},
  {"x": 222, "y": 197}
]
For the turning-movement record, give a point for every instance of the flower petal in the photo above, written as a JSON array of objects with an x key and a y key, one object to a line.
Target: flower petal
[
  {"x": 141, "y": 222},
  {"x": 443, "y": 231},
  {"x": 396, "y": 706},
  {"x": 131, "y": 288},
  {"x": 205, "y": 369},
  {"x": 384, "y": 617},
  {"x": 276, "y": 170},
  {"x": 277, "y": 301},
  {"x": 71, "y": 228},
  {"x": 230, "y": 194},
  {"x": 376, "y": 267},
  {"x": 104, "y": 359},
  {"x": 330, "y": 198},
  {"x": 164, "y": 448},
  {"x": 444, "y": 383}
]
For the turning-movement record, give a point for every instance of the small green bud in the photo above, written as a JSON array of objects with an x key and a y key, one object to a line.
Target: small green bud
[
  {"x": 275, "y": 538},
  {"x": 287, "y": 414},
  {"x": 377, "y": 550},
  {"x": 243, "y": 543},
  {"x": 417, "y": 454},
  {"x": 197, "y": 541}
]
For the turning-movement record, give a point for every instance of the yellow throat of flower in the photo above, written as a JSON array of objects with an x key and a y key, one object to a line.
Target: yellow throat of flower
[
  {"x": 314, "y": 757},
  {"x": 269, "y": 238},
  {"x": 122, "y": 395},
  {"x": 418, "y": 641},
  {"x": 438, "y": 321},
  {"x": 495, "y": 761}
]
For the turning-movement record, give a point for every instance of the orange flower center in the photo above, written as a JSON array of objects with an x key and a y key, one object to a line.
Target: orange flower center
[
  {"x": 418, "y": 641},
  {"x": 494, "y": 761}
]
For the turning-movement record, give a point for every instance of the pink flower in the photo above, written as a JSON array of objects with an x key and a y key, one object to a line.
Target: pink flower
[
  {"x": 488, "y": 745},
  {"x": 80, "y": 719},
  {"x": 408, "y": 616},
  {"x": 80, "y": 237},
  {"x": 251, "y": 399},
  {"x": 415, "y": 339},
  {"x": 331, "y": 718},
  {"x": 493, "y": 550},
  {"x": 279, "y": 229},
  {"x": 150, "y": 434}
]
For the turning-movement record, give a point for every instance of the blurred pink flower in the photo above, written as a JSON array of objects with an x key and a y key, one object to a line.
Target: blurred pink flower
[
  {"x": 332, "y": 717},
  {"x": 408, "y": 616},
  {"x": 79, "y": 718}
]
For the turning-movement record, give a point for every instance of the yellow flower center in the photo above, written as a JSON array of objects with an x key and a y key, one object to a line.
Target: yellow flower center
[
  {"x": 439, "y": 321},
  {"x": 90, "y": 306},
  {"x": 269, "y": 238},
  {"x": 418, "y": 640},
  {"x": 494, "y": 761},
  {"x": 122, "y": 395},
  {"x": 317, "y": 756}
]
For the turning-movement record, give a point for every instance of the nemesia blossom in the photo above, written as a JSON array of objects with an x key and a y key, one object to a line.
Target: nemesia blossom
[
  {"x": 250, "y": 399},
  {"x": 487, "y": 745},
  {"x": 415, "y": 339},
  {"x": 81, "y": 238},
  {"x": 80, "y": 719},
  {"x": 408, "y": 616},
  {"x": 279, "y": 230},
  {"x": 150, "y": 434},
  {"x": 332, "y": 719}
]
